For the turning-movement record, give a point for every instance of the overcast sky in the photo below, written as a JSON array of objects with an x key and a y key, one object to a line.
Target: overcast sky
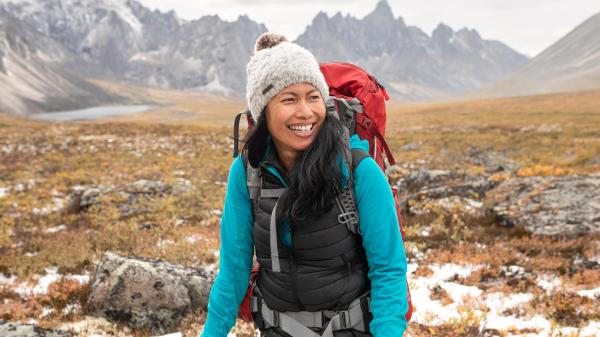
[{"x": 529, "y": 26}]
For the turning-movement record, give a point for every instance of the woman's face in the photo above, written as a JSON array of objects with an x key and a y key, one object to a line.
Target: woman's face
[{"x": 294, "y": 117}]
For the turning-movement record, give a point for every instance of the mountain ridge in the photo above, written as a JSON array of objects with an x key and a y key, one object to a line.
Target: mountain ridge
[
  {"x": 126, "y": 41},
  {"x": 570, "y": 64}
]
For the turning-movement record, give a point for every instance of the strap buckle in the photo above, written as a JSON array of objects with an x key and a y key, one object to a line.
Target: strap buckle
[
  {"x": 276, "y": 318},
  {"x": 344, "y": 320},
  {"x": 346, "y": 217}
]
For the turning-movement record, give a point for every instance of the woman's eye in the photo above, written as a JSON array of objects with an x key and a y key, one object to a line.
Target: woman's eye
[
  {"x": 315, "y": 97},
  {"x": 288, "y": 100}
]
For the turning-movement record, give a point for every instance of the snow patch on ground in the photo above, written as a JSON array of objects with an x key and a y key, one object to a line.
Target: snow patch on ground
[
  {"x": 7, "y": 280},
  {"x": 433, "y": 312},
  {"x": 57, "y": 204},
  {"x": 176, "y": 334},
  {"x": 489, "y": 307},
  {"x": 499, "y": 302},
  {"x": 548, "y": 282},
  {"x": 591, "y": 330},
  {"x": 192, "y": 239},
  {"x": 4, "y": 191},
  {"x": 591, "y": 293},
  {"x": 25, "y": 289},
  {"x": 501, "y": 323},
  {"x": 56, "y": 229}
]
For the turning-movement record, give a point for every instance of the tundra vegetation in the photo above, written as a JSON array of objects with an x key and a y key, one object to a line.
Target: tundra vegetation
[{"x": 152, "y": 185}]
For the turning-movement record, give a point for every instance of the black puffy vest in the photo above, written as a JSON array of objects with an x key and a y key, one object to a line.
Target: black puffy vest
[{"x": 325, "y": 269}]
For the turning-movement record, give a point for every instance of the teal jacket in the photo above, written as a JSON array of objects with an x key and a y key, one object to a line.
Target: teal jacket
[{"x": 381, "y": 240}]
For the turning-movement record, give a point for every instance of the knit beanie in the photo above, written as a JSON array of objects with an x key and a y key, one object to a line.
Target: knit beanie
[{"x": 277, "y": 64}]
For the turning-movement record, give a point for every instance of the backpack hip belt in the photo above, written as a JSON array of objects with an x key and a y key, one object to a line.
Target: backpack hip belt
[{"x": 297, "y": 323}]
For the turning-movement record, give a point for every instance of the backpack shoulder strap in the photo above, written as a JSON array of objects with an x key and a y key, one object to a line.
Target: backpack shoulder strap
[
  {"x": 253, "y": 179},
  {"x": 357, "y": 156}
]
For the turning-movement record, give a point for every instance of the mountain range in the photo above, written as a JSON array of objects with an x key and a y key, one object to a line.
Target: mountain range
[
  {"x": 62, "y": 42},
  {"x": 411, "y": 64}
]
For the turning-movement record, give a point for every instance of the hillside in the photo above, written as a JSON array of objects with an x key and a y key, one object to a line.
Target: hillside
[
  {"x": 570, "y": 64},
  {"x": 34, "y": 75}
]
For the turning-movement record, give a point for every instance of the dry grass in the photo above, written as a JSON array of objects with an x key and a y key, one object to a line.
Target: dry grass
[{"x": 556, "y": 131}]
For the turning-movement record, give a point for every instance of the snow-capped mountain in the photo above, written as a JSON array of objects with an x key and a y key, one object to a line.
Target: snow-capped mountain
[
  {"x": 33, "y": 76},
  {"x": 570, "y": 64},
  {"x": 412, "y": 64},
  {"x": 131, "y": 42}
]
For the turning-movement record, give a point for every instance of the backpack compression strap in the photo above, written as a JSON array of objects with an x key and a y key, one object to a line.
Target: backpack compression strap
[{"x": 345, "y": 200}]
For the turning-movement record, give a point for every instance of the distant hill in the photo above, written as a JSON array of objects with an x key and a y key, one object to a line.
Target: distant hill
[
  {"x": 570, "y": 64},
  {"x": 33, "y": 75}
]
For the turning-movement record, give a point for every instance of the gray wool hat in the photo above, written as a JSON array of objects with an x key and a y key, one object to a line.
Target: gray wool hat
[{"x": 276, "y": 64}]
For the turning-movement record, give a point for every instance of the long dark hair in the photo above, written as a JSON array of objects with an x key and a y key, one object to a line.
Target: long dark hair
[{"x": 316, "y": 178}]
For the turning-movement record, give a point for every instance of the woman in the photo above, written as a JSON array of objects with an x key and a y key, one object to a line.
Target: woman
[{"x": 315, "y": 274}]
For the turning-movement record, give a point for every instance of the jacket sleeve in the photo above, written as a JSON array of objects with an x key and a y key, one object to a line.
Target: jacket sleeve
[
  {"x": 384, "y": 248},
  {"x": 236, "y": 253}
]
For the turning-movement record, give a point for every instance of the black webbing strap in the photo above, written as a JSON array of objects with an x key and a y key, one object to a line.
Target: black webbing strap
[{"x": 236, "y": 129}]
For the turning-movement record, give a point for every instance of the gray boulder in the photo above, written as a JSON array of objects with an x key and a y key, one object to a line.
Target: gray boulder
[
  {"x": 548, "y": 205},
  {"x": 147, "y": 293},
  {"x": 445, "y": 188}
]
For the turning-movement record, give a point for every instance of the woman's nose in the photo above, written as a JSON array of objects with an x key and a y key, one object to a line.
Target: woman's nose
[{"x": 304, "y": 109}]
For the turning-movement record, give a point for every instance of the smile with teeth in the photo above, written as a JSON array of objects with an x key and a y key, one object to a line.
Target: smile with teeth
[{"x": 301, "y": 129}]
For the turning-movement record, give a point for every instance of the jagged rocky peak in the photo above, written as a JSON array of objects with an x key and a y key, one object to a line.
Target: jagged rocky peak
[
  {"x": 469, "y": 33},
  {"x": 320, "y": 19},
  {"x": 382, "y": 11},
  {"x": 245, "y": 19},
  {"x": 442, "y": 33}
]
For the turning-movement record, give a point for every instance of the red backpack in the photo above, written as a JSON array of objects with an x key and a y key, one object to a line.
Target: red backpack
[{"x": 360, "y": 102}]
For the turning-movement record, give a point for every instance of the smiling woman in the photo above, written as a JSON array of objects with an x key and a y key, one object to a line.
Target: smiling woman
[
  {"x": 318, "y": 275},
  {"x": 294, "y": 118}
]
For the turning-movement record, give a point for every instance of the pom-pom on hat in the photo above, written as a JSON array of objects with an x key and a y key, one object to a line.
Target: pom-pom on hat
[{"x": 277, "y": 64}]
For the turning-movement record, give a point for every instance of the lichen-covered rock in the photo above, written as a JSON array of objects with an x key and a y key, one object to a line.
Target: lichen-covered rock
[
  {"x": 147, "y": 293},
  {"x": 83, "y": 197},
  {"x": 443, "y": 188},
  {"x": 422, "y": 178},
  {"x": 29, "y": 330},
  {"x": 548, "y": 205}
]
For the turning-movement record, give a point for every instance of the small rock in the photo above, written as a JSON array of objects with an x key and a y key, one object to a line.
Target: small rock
[
  {"x": 411, "y": 147},
  {"x": 29, "y": 330}
]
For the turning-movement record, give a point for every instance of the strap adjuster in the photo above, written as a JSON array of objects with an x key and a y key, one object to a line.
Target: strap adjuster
[
  {"x": 347, "y": 217},
  {"x": 343, "y": 323}
]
